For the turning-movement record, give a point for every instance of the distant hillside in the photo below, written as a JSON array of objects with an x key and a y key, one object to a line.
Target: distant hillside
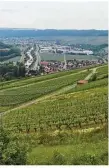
[{"x": 50, "y": 32}]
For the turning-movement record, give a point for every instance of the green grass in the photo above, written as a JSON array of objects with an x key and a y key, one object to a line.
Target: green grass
[
  {"x": 82, "y": 149},
  {"x": 71, "y": 153},
  {"x": 60, "y": 57}
]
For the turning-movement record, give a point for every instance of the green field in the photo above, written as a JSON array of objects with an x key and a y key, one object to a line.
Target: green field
[
  {"x": 60, "y": 126},
  {"x": 94, "y": 40},
  {"x": 60, "y": 57}
]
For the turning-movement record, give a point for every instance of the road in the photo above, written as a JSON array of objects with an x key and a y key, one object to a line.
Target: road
[
  {"x": 33, "y": 62},
  {"x": 38, "y": 60},
  {"x": 30, "y": 60}
]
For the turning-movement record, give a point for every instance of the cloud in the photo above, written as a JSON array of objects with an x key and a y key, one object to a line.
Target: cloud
[{"x": 8, "y": 10}]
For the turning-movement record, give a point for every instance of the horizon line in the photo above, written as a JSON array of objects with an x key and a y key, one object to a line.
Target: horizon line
[{"x": 50, "y": 28}]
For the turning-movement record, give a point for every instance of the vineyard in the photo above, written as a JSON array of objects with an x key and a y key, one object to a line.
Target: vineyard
[
  {"x": 102, "y": 72},
  {"x": 77, "y": 110},
  {"x": 94, "y": 84},
  {"x": 25, "y": 81},
  {"x": 70, "y": 125},
  {"x": 101, "y": 80},
  {"x": 15, "y": 96}
]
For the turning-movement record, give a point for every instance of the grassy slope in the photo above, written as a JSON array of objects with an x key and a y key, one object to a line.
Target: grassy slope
[{"x": 79, "y": 153}]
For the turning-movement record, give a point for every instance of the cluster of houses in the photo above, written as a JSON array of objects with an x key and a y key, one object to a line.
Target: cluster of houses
[{"x": 56, "y": 66}]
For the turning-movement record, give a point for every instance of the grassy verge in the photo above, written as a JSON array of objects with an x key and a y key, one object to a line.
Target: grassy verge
[{"x": 82, "y": 149}]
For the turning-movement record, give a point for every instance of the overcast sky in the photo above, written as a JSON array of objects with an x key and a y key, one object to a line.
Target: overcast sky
[{"x": 59, "y": 15}]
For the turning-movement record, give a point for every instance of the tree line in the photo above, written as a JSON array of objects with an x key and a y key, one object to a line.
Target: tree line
[{"x": 10, "y": 71}]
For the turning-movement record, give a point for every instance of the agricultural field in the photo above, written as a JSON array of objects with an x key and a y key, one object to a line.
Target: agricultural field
[
  {"x": 27, "y": 80},
  {"x": 60, "y": 57},
  {"x": 17, "y": 95},
  {"x": 65, "y": 40},
  {"x": 86, "y": 40},
  {"x": 69, "y": 128},
  {"x": 101, "y": 80},
  {"x": 102, "y": 72},
  {"x": 63, "y": 125},
  {"x": 94, "y": 84},
  {"x": 62, "y": 112}
]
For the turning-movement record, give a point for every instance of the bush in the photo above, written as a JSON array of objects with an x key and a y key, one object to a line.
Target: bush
[
  {"x": 86, "y": 159},
  {"x": 12, "y": 152},
  {"x": 58, "y": 159}
]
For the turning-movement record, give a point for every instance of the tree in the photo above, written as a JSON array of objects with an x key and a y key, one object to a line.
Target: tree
[{"x": 12, "y": 152}]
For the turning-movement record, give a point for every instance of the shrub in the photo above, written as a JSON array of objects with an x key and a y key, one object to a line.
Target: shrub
[
  {"x": 11, "y": 151},
  {"x": 86, "y": 159},
  {"x": 58, "y": 159}
]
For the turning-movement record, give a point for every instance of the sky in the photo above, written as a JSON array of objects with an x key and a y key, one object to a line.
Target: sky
[{"x": 54, "y": 15}]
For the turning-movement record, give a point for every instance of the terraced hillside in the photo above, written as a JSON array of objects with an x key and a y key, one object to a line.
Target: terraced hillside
[{"x": 61, "y": 124}]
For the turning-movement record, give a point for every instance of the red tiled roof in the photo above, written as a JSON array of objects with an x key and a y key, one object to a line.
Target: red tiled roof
[
  {"x": 44, "y": 63},
  {"x": 82, "y": 81}
]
